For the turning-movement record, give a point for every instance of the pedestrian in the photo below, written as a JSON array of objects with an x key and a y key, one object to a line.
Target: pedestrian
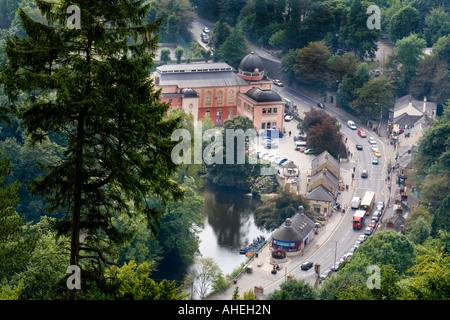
[
  {"x": 290, "y": 133},
  {"x": 346, "y": 187}
]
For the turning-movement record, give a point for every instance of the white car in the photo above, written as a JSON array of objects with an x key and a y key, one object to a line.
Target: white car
[
  {"x": 372, "y": 140},
  {"x": 277, "y": 82},
  {"x": 351, "y": 124},
  {"x": 206, "y": 30},
  {"x": 288, "y": 117},
  {"x": 374, "y": 148}
]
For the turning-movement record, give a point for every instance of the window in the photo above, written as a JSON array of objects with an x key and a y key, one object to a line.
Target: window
[
  {"x": 275, "y": 110},
  {"x": 263, "y": 125},
  {"x": 219, "y": 97},
  {"x": 191, "y": 106},
  {"x": 269, "y": 110},
  {"x": 231, "y": 97},
  {"x": 230, "y": 113},
  {"x": 208, "y": 98},
  {"x": 264, "y": 110},
  {"x": 219, "y": 116},
  {"x": 207, "y": 112}
]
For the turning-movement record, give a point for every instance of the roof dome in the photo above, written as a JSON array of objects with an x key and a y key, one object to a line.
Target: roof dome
[
  {"x": 251, "y": 63},
  {"x": 189, "y": 93},
  {"x": 251, "y": 67},
  {"x": 263, "y": 95}
]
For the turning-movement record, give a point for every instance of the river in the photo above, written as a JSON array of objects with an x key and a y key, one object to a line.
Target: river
[{"x": 228, "y": 226}]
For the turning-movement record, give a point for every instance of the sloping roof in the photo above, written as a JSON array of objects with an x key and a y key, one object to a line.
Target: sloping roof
[
  {"x": 406, "y": 119},
  {"x": 404, "y": 101},
  {"x": 329, "y": 177},
  {"x": 320, "y": 193},
  {"x": 325, "y": 157},
  {"x": 299, "y": 229}
]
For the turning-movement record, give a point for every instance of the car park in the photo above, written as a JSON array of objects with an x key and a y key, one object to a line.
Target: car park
[
  {"x": 362, "y": 133},
  {"x": 351, "y": 124},
  {"x": 359, "y": 147},
  {"x": 288, "y": 117},
  {"x": 321, "y": 105},
  {"x": 307, "y": 265},
  {"x": 368, "y": 231},
  {"x": 372, "y": 140},
  {"x": 364, "y": 174},
  {"x": 375, "y": 160},
  {"x": 277, "y": 82}
]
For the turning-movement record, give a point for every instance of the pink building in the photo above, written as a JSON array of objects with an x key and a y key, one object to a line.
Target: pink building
[{"x": 220, "y": 91}]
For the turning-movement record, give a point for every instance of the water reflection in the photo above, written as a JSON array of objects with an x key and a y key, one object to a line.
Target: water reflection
[{"x": 229, "y": 225}]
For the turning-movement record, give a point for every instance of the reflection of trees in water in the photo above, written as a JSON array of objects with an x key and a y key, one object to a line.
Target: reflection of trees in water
[{"x": 228, "y": 212}]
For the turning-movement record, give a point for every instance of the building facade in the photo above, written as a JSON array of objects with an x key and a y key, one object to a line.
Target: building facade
[{"x": 217, "y": 90}]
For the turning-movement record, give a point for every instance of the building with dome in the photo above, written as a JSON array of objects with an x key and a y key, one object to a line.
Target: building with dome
[{"x": 219, "y": 90}]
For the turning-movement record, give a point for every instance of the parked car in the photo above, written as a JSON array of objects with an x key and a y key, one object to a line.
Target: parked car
[
  {"x": 372, "y": 140},
  {"x": 204, "y": 37},
  {"x": 288, "y": 117},
  {"x": 376, "y": 215},
  {"x": 364, "y": 174},
  {"x": 299, "y": 138},
  {"x": 380, "y": 205},
  {"x": 359, "y": 147},
  {"x": 324, "y": 275},
  {"x": 206, "y": 30},
  {"x": 307, "y": 265},
  {"x": 375, "y": 160},
  {"x": 351, "y": 124},
  {"x": 260, "y": 155},
  {"x": 277, "y": 82},
  {"x": 269, "y": 144},
  {"x": 309, "y": 151},
  {"x": 368, "y": 231},
  {"x": 372, "y": 223},
  {"x": 279, "y": 161},
  {"x": 335, "y": 266},
  {"x": 321, "y": 105},
  {"x": 362, "y": 238},
  {"x": 362, "y": 133}
]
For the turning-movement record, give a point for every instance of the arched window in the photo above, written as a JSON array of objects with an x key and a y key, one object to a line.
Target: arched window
[
  {"x": 231, "y": 97},
  {"x": 219, "y": 97},
  {"x": 208, "y": 98}
]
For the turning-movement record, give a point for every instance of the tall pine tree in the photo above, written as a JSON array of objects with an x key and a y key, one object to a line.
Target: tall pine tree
[{"x": 91, "y": 85}]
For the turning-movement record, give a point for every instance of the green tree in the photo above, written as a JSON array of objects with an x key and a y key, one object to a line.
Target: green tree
[
  {"x": 274, "y": 211},
  {"x": 206, "y": 272},
  {"x": 165, "y": 55},
  {"x": 403, "y": 23},
  {"x": 437, "y": 25},
  {"x": 107, "y": 111},
  {"x": 375, "y": 96},
  {"x": 355, "y": 34},
  {"x": 294, "y": 289},
  {"x": 179, "y": 51},
  {"x": 234, "y": 48},
  {"x": 346, "y": 89},
  {"x": 219, "y": 35},
  {"x": 441, "y": 219},
  {"x": 418, "y": 225},
  {"x": 311, "y": 64},
  {"x": 408, "y": 51}
]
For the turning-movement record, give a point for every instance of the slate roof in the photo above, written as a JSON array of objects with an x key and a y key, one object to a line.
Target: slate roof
[
  {"x": 301, "y": 226},
  {"x": 325, "y": 157},
  {"x": 320, "y": 193},
  {"x": 329, "y": 177}
]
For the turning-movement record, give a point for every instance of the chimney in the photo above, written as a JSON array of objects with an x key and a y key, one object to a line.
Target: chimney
[
  {"x": 424, "y": 105},
  {"x": 326, "y": 154},
  {"x": 324, "y": 170}
]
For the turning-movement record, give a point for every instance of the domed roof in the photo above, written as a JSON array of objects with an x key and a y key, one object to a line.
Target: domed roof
[
  {"x": 251, "y": 63},
  {"x": 263, "y": 95},
  {"x": 189, "y": 93}
]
